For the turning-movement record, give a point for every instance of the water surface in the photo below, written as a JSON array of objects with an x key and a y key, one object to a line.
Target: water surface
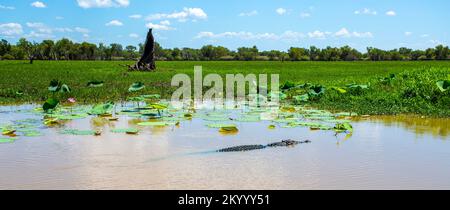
[{"x": 383, "y": 153}]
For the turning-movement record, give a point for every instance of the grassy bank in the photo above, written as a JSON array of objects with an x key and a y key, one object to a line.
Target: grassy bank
[{"x": 414, "y": 93}]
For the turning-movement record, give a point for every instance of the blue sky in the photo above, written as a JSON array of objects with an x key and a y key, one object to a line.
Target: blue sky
[{"x": 268, "y": 24}]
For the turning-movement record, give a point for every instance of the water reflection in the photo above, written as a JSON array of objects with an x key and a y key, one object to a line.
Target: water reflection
[{"x": 438, "y": 127}]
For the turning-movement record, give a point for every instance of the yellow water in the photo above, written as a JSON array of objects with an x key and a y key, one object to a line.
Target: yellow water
[{"x": 383, "y": 153}]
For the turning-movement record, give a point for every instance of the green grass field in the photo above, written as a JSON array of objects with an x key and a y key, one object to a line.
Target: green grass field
[{"x": 402, "y": 96}]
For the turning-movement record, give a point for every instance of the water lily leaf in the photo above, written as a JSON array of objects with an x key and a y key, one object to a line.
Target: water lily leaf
[
  {"x": 95, "y": 84},
  {"x": 136, "y": 99},
  {"x": 127, "y": 131},
  {"x": 154, "y": 96},
  {"x": 102, "y": 109},
  {"x": 287, "y": 85},
  {"x": 51, "y": 103},
  {"x": 232, "y": 129},
  {"x": 214, "y": 125},
  {"x": 340, "y": 90},
  {"x": 316, "y": 90},
  {"x": 7, "y": 132},
  {"x": 160, "y": 124},
  {"x": 272, "y": 127},
  {"x": 64, "y": 89},
  {"x": 137, "y": 86},
  {"x": 357, "y": 86},
  {"x": 301, "y": 98},
  {"x": 158, "y": 106},
  {"x": 343, "y": 127},
  {"x": 80, "y": 132},
  {"x": 54, "y": 86},
  {"x": 443, "y": 85},
  {"x": 7, "y": 140}
]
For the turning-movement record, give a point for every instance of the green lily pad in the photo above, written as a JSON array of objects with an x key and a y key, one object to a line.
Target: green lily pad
[
  {"x": 54, "y": 86},
  {"x": 137, "y": 86},
  {"x": 95, "y": 84},
  {"x": 102, "y": 109},
  {"x": 343, "y": 127},
  {"x": 153, "y": 124},
  {"x": 7, "y": 140},
  {"x": 79, "y": 132},
  {"x": 443, "y": 85},
  {"x": 64, "y": 89},
  {"x": 51, "y": 103},
  {"x": 126, "y": 130},
  {"x": 217, "y": 125}
]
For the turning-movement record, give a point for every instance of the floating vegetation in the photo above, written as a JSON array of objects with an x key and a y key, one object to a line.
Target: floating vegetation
[
  {"x": 131, "y": 131},
  {"x": 137, "y": 86},
  {"x": 50, "y": 104},
  {"x": 80, "y": 132},
  {"x": 7, "y": 140},
  {"x": 102, "y": 109},
  {"x": 95, "y": 84}
]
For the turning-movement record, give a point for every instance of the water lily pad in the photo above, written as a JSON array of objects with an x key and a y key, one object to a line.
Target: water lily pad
[
  {"x": 343, "y": 127},
  {"x": 80, "y": 132},
  {"x": 231, "y": 129},
  {"x": 217, "y": 125},
  {"x": 159, "y": 124},
  {"x": 126, "y": 130},
  {"x": 7, "y": 140},
  {"x": 137, "y": 86},
  {"x": 443, "y": 85},
  {"x": 64, "y": 89},
  {"x": 51, "y": 103},
  {"x": 102, "y": 109},
  {"x": 95, "y": 84}
]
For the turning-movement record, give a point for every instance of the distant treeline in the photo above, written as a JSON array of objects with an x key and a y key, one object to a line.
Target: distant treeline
[{"x": 65, "y": 49}]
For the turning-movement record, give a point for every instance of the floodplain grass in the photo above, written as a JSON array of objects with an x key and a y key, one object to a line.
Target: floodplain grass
[{"x": 21, "y": 82}]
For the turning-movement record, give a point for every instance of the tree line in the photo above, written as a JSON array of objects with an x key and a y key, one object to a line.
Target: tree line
[{"x": 66, "y": 49}]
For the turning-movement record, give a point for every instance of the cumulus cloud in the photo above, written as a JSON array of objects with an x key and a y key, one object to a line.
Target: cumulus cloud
[
  {"x": 347, "y": 34},
  {"x": 102, "y": 3},
  {"x": 391, "y": 13},
  {"x": 248, "y": 14},
  {"x": 82, "y": 30},
  {"x": 40, "y": 28},
  {"x": 163, "y": 26},
  {"x": 186, "y": 14},
  {"x": 365, "y": 11},
  {"x": 114, "y": 23},
  {"x": 7, "y": 7},
  {"x": 286, "y": 36},
  {"x": 281, "y": 11},
  {"x": 38, "y": 4},
  {"x": 135, "y": 16},
  {"x": 11, "y": 29}
]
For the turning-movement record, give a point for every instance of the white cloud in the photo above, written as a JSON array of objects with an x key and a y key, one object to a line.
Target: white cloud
[
  {"x": 82, "y": 30},
  {"x": 408, "y": 33},
  {"x": 186, "y": 14},
  {"x": 281, "y": 11},
  {"x": 424, "y": 35},
  {"x": 305, "y": 15},
  {"x": 40, "y": 28},
  {"x": 286, "y": 36},
  {"x": 248, "y": 14},
  {"x": 391, "y": 13},
  {"x": 102, "y": 3},
  {"x": 365, "y": 11},
  {"x": 165, "y": 22},
  {"x": 136, "y": 16},
  {"x": 347, "y": 34},
  {"x": 114, "y": 23},
  {"x": 7, "y": 7},
  {"x": 161, "y": 27},
  {"x": 59, "y": 18},
  {"x": 317, "y": 34},
  {"x": 134, "y": 36},
  {"x": 11, "y": 29},
  {"x": 38, "y": 4}
]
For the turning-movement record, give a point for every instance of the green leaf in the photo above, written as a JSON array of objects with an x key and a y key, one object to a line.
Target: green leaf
[
  {"x": 101, "y": 109},
  {"x": 54, "y": 86},
  {"x": 301, "y": 98},
  {"x": 51, "y": 103},
  {"x": 443, "y": 85},
  {"x": 95, "y": 84},
  {"x": 137, "y": 86},
  {"x": 64, "y": 89},
  {"x": 343, "y": 127},
  {"x": 340, "y": 90}
]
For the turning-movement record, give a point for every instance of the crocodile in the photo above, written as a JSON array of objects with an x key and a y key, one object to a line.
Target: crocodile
[{"x": 244, "y": 148}]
